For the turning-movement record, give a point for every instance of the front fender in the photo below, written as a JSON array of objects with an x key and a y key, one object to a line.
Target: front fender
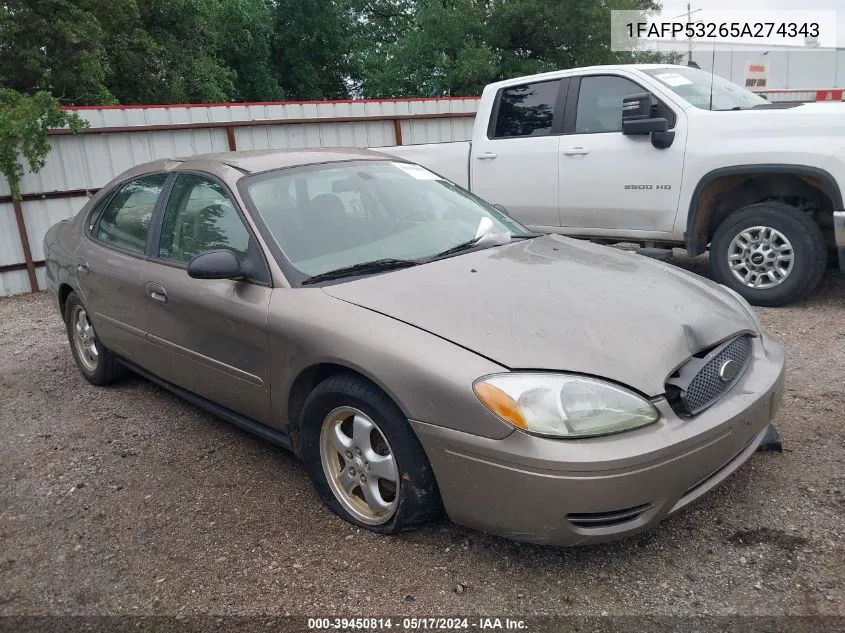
[
  {"x": 697, "y": 230},
  {"x": 429, "y": 378}
]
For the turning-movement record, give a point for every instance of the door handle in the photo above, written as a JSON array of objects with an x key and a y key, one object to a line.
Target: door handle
[
  {"x": 575, "y": 151},
  {"x": 486, "y": 156},
  {"x": 82, "y": 267},
  {"x": 157, "y": 292}
]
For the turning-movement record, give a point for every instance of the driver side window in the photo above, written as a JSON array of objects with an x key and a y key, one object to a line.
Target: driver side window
[
  {"x": 600, "y": 104},
  {"x": 200, "y": 217}
]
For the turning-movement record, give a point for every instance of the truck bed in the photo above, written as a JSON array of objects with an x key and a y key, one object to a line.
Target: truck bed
[{"x": 450, "y": 160}]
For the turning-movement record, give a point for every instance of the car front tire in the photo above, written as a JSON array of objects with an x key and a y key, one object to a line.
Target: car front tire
[
  {"x": 771, "y": 253},
  {"x": 363, "y": 458}
]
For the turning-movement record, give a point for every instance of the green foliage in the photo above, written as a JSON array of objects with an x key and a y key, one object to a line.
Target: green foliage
[
  {"x": 441, "y": 51},
  {"x": 455, "y": 47},
  {"x": 309, "y": 49},
  {"x": 177, "y": 51},
  {"x": 24, "y": 122},
  {"x": 53, "y": 45}
]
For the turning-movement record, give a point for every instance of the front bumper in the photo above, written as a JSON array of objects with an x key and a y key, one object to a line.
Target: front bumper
[
  {"x": 571, "y": 492},
  {"x": 839, "y": 236}
]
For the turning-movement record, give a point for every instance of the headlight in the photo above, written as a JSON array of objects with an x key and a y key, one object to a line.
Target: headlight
[
  {"x": 564, "y": 405},
  {"x": 747, "y": 307}
]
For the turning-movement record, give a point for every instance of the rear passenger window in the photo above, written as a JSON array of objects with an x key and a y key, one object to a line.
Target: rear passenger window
[
  {"x": 526, "y": 110},
  {"x": 125, "y": 221}
]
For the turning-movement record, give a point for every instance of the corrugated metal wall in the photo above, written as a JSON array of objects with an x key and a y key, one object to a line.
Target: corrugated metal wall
[{"x": 90, "y": 160}]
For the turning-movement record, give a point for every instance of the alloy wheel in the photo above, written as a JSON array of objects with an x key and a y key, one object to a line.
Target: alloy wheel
[
  {"x": 359, "y": 465},
  {"x": 84, "y": 338},
  {"x": 760, "y": 257}
]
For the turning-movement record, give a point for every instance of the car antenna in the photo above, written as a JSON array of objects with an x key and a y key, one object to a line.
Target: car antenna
[{"x": 712, "y": 73}]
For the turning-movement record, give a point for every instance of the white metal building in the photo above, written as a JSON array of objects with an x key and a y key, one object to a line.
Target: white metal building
[
  {"x": 121, "y": 137},
  {"x": 787, "y": 67}
]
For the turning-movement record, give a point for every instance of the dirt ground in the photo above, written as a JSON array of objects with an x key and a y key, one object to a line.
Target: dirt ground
[{"x": 127, "y": 500}]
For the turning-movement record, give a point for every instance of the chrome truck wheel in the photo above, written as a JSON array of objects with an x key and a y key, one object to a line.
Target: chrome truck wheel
[
  {"x": 761, "y": 257},
  {"x": 771, "y": 253}
]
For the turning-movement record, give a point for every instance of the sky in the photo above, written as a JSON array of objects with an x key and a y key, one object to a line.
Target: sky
[{"x": 754, "y": 10}]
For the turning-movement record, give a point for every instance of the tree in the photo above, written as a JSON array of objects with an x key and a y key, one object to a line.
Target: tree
[
  {"x": 53, "y": 45},
  {"x": 455, "y": 47},
  {"x": 539, "y": 35},
  {"x": 440, "y": 51},
  {"x": 245, "y": 44},
  {"x": 24, "y": 123},
  {"x": 309, "y": 49}
]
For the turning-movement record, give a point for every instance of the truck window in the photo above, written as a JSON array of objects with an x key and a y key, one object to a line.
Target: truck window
[
  {"x": 526, "y": 110},
  {"x": 600, "y": 103}
]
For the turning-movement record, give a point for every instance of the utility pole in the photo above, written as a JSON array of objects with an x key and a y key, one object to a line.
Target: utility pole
[
  {"x": 688, "y": 14},
  {"x": 689, "y": 39}
]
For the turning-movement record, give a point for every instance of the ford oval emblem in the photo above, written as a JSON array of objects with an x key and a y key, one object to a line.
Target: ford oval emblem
[{"x": 728, "y": 371}]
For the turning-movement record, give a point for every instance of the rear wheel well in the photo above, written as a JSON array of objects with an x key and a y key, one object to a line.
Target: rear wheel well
[
  {"x": 302, "y": 386},
  {"x": 721, "y": 196},
  {"x": 63, "y": 294}
]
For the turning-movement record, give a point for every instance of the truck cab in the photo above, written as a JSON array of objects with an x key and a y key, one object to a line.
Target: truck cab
[{"x": 664, "y": 156}]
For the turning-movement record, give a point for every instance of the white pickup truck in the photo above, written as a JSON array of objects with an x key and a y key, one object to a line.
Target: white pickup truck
[{"x": 663, "y": 156}]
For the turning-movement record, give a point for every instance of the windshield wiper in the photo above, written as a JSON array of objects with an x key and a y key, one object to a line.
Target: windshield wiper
[
  {"x": 488, "y": 239},
  {"x": 363, "y": 268},
  {"x": 457, "y": 248}
]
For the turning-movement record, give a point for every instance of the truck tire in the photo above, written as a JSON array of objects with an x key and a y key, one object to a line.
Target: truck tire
[{"x": 770, "y": 252}]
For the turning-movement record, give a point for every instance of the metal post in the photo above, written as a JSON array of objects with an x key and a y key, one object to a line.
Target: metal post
[
  {"x": 397, "y": 129},
  {"x": 27, "y": 253}
]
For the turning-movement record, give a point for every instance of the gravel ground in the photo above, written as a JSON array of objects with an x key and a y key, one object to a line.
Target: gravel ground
[{"x": 127, "y": 500}]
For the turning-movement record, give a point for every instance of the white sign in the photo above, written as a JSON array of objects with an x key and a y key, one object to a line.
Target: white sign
[
  {"x": 673, "y": 79},
  {"x": 756, "y": 75},
  {"x": 418, "y": 172}
]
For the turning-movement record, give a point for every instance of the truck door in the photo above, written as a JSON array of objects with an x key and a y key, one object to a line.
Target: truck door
[
  {"x": 612, "y": 184},
  {"x": 515, "y": 163}
]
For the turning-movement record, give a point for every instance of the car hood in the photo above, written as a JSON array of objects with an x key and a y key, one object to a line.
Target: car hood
[{"x": 555, "y": 303}]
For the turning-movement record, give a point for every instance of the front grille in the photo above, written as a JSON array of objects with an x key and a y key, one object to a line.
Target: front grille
[
  {"x": 699, "y": 383},
  {"x": 606, "y": 519}
]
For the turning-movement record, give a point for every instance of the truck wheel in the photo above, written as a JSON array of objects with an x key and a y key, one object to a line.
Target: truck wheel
[{"x": 771, "y": 253}]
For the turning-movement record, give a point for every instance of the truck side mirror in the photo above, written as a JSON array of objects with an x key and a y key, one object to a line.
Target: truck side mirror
[
  {"x": 636, "y": 107},
  {"x": 638, "y": 120}
]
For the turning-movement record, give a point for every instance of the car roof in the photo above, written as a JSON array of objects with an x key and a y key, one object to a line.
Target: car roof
[{"x": 259, "y": 160}]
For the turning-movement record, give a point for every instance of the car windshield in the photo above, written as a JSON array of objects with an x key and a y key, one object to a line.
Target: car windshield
[
  {"x": 695, "y": 86},
  {"x": 335, "y": 215}
]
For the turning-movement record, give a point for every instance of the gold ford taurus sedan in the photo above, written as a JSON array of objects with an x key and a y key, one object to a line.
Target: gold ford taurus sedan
[{"x": 416, "y": 347}]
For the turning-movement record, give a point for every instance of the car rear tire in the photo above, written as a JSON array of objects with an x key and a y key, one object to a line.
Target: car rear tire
[
  {"x": 363, "y": 458},
  {"x": 771, "y": 253},
  {"x": 95, "y": 362}
]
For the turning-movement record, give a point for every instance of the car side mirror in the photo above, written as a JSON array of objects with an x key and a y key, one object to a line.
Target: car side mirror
[
  {"x": 502, "y": 208},
  {"x": 219, "y": 264},
  {"x": 638, "y": 120}
]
